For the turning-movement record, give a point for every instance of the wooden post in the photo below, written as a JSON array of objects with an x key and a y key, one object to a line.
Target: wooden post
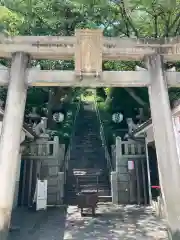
[
  {"x": 10, "y": 138},
  {"x": 167, "y": 156}
]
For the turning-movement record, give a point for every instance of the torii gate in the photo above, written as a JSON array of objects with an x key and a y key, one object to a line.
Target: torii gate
[{"x": 90, "y": 48}]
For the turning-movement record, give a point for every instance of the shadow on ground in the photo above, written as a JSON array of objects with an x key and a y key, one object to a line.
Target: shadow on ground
[
  {"x": 44, "y": 225},
  {"x": 115, "y": 222},
  {"x": 112, "y": 223}
]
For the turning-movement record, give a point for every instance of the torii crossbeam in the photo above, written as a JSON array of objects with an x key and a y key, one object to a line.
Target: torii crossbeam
[
  {"x": 58, "y": 78},
  {"x": 64, "y": 48}
]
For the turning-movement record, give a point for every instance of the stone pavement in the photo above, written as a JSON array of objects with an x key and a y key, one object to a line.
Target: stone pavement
[
  {"x": 114, "y": 223},
  {"x": 111, "y": 223},
  {"x": 42, "y": 225}
]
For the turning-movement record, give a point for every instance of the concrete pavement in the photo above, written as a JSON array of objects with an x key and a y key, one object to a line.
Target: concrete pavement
[{"x": 112, "y": 223}]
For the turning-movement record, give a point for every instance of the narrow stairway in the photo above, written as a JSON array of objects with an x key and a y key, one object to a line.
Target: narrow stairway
[{"x": 87, "y": 153}]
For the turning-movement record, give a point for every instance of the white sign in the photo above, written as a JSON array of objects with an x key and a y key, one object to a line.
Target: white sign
[
  {"x": 130, "y": 165},
  {"x": 41, "y": 196}
]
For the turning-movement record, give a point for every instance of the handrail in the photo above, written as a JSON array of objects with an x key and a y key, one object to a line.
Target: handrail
[
  {"x": 156, "y": 187},
  {"x": 103, "y": 139},
  {"x": 67, "y": 155}
]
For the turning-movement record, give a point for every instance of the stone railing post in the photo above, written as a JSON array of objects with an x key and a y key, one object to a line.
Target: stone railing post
[
  {"x": 114, "y": 187},
  {"x": 115, "y": 174},
  {"x": 118, "y": 148},
  {"x": 60, "y": 188},
  {"x": 56, "y": 147}
]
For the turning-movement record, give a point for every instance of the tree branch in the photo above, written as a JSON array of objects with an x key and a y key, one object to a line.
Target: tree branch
[
  {"x": 174, "y": 22},
  {"x": 167, "y": 29},
  {"x": 131, "y": 92},
  {"x": 156, "y": 26},
  {"x": 177, "y": 29},
  {"x": 128, "y": 19}
]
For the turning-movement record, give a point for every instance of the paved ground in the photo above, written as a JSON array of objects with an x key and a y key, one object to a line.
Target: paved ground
[{"x": 111, "y": 223}]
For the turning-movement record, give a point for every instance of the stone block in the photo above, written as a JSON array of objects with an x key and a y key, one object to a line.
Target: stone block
[
  {"x": 53, "y": 170},
  {"x": 123, "y": 177},
  {"x": 123, "y": 197},
  {"x": 51, "y": 162},
  {"x": 52, "y": 199},
  {"x": 122, "y": 169},
  {"x": 123, "y": 186}
]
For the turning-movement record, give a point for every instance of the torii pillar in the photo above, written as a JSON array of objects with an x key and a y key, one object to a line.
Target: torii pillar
[
  {"x": 167, "y": 155},
  {"x": 11, "y": 137}
]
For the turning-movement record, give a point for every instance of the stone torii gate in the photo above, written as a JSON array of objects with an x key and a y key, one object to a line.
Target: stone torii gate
[{"x": 90, "y": 48}]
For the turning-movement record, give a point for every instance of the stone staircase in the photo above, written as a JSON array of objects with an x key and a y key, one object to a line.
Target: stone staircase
[{"x": 87, "y": 153}]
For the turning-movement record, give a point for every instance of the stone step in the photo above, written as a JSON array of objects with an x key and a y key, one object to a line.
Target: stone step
[
  {"x": 105, "y": 198},
  {"x": 87, "y": 150},
  {"x": 103, "y": 195},
  {"x": 96, "y": 144}
]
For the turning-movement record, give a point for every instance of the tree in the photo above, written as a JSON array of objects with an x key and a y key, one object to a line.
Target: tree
[
  {"x": 41, "y": 18},
  {"x": 130, "y": 18}
]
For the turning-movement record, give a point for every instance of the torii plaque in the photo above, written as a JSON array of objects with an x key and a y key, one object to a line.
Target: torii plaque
[{"x": 88, "y": 52}]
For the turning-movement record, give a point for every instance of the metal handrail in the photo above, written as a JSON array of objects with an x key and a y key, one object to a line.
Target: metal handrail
[
  {"x": 103, "y": 139},
  {"x": 67, "y": 155}
]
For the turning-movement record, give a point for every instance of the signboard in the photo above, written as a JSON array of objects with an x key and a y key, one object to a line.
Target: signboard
[
  {"x": 41, "y": 195},
  {"x": 130, "y": 165},
  {"x": 88, "y": 51}
]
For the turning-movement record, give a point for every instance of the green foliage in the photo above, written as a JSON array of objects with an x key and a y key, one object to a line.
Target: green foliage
[
  {"x": 64, "y": 130},
  {"x": 9, "y": 21},
  {"x": 128, "y": 18}
]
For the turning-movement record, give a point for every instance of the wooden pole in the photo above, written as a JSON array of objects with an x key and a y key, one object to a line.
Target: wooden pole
[
  {"x": 167, "y": 156},
  {"x": 10, "y": 138}
]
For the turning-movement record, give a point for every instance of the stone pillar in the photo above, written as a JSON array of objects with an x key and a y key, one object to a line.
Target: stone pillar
[
  {"x": 60, "y": 188},
  {"x": 114, "y": 187},
  {"x": 118, "y": 152},
  {"x": 167, "y": 156},
  {"x": 16, "y": 191},
  {"x": 11, "y": 136}
]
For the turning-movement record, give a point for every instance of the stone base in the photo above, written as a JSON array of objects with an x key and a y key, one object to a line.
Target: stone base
[{"x": 158, "y": 207}]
